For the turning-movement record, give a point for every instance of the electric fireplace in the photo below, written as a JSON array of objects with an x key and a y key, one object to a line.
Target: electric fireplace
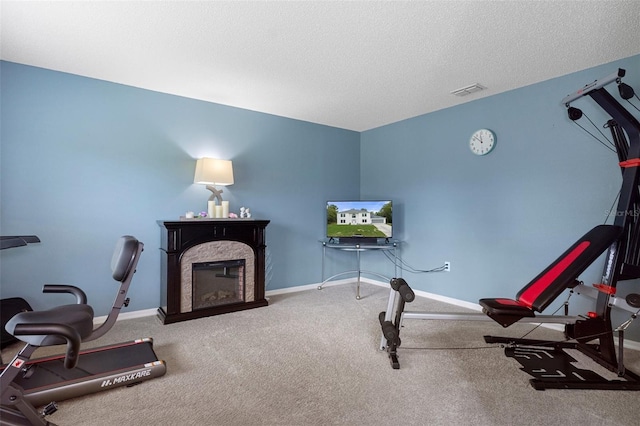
[{"x": 211, "y": 267}]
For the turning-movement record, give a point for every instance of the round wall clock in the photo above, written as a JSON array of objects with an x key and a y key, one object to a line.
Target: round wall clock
[{"x": 482, "y": 141}]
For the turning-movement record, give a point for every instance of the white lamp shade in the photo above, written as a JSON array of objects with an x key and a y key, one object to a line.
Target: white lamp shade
[{"x": 211, "y": 171}]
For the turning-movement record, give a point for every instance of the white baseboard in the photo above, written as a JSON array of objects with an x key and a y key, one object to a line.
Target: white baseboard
[
  {"x": 631, "y": 344},
  {"x": 308, "y": 287},
  {"x": 128, "y": 315},
  {"x": 151, "y": 312}
]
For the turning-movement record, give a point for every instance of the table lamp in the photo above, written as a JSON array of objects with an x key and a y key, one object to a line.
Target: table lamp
[{"x": 211, "y": 171}]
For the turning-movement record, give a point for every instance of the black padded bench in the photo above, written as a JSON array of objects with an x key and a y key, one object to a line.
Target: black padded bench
[{"x": 551, "y": 282}]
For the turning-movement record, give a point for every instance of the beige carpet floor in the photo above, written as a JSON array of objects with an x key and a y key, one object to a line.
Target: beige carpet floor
[{"x": 312, "y": 358}]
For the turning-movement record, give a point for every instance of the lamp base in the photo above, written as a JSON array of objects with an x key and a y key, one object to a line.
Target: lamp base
[
  {"x": 217, "y": 211},
  {"x": 217, "y": 194}
]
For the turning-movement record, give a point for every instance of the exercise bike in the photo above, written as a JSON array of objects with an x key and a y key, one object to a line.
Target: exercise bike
[
  {"x": 593, "y": 333},
  {"x": 26, "y": 384}
]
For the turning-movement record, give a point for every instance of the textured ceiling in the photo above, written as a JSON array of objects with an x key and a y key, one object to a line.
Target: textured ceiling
[{"x": 353, "y": 65}]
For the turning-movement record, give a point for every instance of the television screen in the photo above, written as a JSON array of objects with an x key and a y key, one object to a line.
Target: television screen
[{"x": 369, "y": 219}]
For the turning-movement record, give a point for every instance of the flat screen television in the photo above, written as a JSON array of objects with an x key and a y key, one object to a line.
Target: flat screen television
[{"x": 348, "y": 220}]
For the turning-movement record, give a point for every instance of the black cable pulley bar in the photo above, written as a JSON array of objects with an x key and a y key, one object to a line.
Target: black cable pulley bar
[
  {"x": 632, "y": 250},
  {"x": 620, "y": 141},
  {"x": 633, "y": 255}
]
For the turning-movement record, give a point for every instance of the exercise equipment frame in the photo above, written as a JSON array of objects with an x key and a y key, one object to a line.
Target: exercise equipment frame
[
  {"x": 592, "y": 334},
  {"x": 27, "y": 383}
]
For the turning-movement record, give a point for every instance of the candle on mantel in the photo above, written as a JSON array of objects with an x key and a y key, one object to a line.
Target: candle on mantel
[{"x": 225, "y": 209}]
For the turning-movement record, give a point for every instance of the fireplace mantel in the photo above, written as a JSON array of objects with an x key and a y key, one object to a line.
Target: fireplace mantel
[{"x": 180, "y": 236}]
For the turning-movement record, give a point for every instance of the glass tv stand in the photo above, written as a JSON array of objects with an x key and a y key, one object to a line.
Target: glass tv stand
[{"x": 358, "y": 248}]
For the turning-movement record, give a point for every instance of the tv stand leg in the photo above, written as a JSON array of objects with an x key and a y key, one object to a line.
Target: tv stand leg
[{"x": 358, "y": 282}]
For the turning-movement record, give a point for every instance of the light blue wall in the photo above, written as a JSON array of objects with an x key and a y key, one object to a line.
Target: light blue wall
[
  {"x": 502, "y": 218},
  {"x": 84, "y": 161}
]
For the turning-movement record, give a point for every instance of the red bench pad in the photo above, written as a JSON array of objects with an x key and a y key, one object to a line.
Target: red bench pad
[{"x": 551, "y": 282}]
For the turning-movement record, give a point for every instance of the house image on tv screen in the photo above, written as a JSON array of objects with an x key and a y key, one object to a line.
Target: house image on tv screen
[
  {"x": 355, "y": 217},
  {"x": 359, "y": 218}
]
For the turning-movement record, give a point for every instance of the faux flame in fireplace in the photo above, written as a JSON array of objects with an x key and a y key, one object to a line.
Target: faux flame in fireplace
[
  {"x": 216, "y": 252},
  {"x": 218, "y": 283}
]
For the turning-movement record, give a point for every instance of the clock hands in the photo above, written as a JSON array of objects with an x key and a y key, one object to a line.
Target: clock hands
[{"x": 482, "y": 142}]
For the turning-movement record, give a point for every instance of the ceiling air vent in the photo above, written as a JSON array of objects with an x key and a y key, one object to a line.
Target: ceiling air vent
[{"x": 468, "y": 90}]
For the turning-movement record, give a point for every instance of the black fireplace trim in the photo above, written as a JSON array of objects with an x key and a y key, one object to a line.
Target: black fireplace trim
[
  {"x": 206, "y": 312},
  {"x": 179, "y": 236}
]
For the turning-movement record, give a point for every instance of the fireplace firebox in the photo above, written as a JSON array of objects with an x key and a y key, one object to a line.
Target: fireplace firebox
[
  {"x": 211, "y": 267},
  {"x": 217, "y": 283}
]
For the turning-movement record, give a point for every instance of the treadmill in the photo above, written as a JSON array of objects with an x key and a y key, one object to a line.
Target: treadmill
[{"x": 26, "y": 383}]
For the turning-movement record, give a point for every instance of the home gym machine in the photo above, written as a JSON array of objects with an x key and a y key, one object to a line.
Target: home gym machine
[
  {"x": 26, "y": 383},
  {"x": 593, "y": 333}
]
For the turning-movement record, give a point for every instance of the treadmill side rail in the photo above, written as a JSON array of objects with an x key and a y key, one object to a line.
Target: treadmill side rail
[
  {"x": 103, "y": 368},
  {"x": 98, "y": 383}
]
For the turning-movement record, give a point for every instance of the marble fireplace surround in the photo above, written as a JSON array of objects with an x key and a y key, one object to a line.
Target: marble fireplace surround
[{"x": 215, "y": 251}]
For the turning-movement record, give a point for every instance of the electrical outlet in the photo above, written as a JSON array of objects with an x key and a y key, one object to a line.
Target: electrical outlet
[{"x": 447, "y": 266}]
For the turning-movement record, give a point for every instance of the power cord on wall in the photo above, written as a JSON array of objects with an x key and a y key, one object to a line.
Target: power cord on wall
[{"x": 405, "y": 267}]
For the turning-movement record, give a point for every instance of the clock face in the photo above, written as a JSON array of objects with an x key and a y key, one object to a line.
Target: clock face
[{"x": 482, "y": 141}]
